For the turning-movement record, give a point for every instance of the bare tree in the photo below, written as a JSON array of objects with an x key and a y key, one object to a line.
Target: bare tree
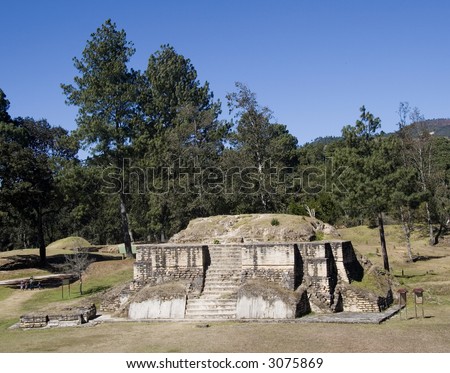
[
  {"x": 77, "y": 264},
  {"x": 418, "y": 151}
]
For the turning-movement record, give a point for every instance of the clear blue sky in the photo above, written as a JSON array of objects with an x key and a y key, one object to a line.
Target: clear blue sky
[{"x": 314, "y": 63}]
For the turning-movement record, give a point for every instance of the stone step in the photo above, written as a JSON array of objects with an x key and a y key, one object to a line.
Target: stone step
[
  {"x": 207, "y": 308},
  {"x": 211, "y": 309},
  {"x": 212, "y": 316},
  {"x": 220, "y": 288},
  {"x": 220, "y": 281},
  {"x": 222, "y": 275},
  {"x": 223, "y": 269},
  {"x": 219, "y": 296},
  {"x": 218, "y": 275},
  {"x": 225, "y": 252},
  {"x": 226, "y": 256},
  {"x": 211, "y": 301},
  {"x": 225, "y": 261}
]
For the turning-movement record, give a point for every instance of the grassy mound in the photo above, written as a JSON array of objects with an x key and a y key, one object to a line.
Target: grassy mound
[
  {"x": 254, "y": 228},
  {"x": 69, "y": 243}
]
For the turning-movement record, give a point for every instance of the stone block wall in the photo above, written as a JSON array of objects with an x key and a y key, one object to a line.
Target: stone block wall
[
  {"x": 158, "y": 309},
  {"x": 272, "y": 262},
  {"x": 260, "y": 308},
  {"x": 157, "y": 264},
  {"x": 357, "y": 300},
  {"x": 354, "y": 301}
]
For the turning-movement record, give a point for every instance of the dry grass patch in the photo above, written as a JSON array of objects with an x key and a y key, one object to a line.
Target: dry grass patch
[{"x": 431, "y": 334}]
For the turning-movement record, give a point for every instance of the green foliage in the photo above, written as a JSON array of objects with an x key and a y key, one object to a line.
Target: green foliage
[
  {"x": 4, "y": 106},
  {"x": 370, "y": 161},
  {"x": 160, "y": 157},
  {"x": 31, "y": 153},
  {"x": 319, "y": 236},
  {"x": 263, "y": 156},
  {"x": 107, "y": 93},
  {"x": 187, "y": 140},
  {"x": 275, "y": 222}
]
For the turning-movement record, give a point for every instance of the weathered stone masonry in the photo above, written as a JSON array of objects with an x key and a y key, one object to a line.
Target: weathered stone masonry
[
  {"x": 156, "y": 264},
  {"x": 318, "y": 273}
]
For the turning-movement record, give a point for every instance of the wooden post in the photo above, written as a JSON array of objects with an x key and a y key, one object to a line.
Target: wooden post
[
  {"x": 402, "y": 301},
  {"x": 418, "y": 299}
]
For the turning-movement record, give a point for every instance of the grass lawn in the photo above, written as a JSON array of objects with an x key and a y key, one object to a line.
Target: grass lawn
[{"x": 429, "y": 334}]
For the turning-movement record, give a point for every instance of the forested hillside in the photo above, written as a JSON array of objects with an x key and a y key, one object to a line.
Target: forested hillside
[{"x": 160, "y": 155}]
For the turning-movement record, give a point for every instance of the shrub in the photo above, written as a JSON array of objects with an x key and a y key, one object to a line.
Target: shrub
[
  {"x": 319, "y": 236},
  {"x": 275, "y": 222}
]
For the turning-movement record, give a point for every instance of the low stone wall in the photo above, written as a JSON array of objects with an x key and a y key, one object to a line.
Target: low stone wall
[
  {"x": 158, "y": 309},
  {"x": 357, "y": 300},
  {"x": 66, "y": 317},
  {"x": 114, "y": 300},
  {"x": 33, "y": 321},
  {"x": 260, "y": 308}
]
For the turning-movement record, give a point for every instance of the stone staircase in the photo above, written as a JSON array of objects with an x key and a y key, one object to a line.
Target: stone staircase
[{"x": 219, "y": 297}]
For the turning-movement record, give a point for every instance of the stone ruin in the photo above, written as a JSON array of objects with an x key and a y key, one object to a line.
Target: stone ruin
[
  {"x": 247, "y": 280},
  {"x": 70, "y": 316}
]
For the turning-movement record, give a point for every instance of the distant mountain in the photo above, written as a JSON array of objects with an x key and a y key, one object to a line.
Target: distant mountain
[
  {"x": 324, "y": 140},
  {"x": 437, "y": 127},
  {"x": 440, "y": 127}
]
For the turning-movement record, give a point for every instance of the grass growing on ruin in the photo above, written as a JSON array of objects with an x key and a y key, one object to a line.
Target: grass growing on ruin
[{"x": 373, "y": 282}]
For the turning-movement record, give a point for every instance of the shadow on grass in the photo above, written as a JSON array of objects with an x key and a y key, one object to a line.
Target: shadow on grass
[
  {"x": 96, "y": 289},
  {"x": 423, "y": 258},
  {"x": 33, "y": 261},
  {"x": 405, "y": 276}
]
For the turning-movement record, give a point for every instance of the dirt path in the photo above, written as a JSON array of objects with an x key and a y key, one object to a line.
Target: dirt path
[{"x": 10, "y": 307}]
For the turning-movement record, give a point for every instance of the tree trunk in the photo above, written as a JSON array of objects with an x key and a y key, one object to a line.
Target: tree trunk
[
  {"x": 406, "y": 224},
  {"x": 383, "y": 242},
  {"x": 129, "y": 229},
  {"x": 430, "y": 226},
  {"x": 438, "y": 234},
  {"x": 125, "y": 226},
  {"x": 41, "y": 239}
]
